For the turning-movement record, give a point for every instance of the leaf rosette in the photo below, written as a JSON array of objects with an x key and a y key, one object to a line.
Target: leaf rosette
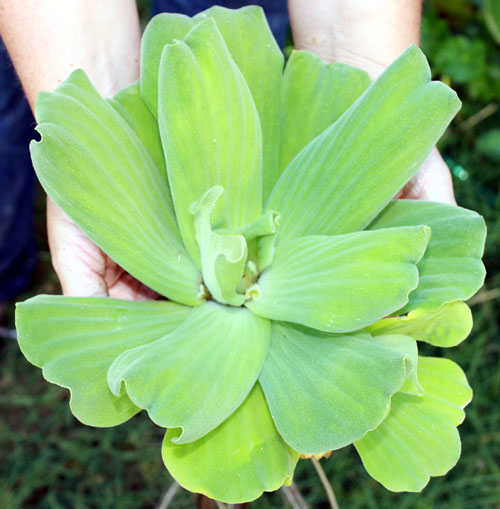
[{"x": 259, "y": 204}]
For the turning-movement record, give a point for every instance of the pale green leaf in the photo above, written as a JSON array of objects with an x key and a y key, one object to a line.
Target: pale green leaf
[
  {"x": 313, "y": 96},
  {"x": 266, "y": 224},
  {"x": 93, "y": 165},
  {"x": 327, "y": 390},
  {"x": 130, "y": 105},
  {"x": 210, "y": 131},
  {"x": 340, "y": 283},
  {"x": 198, "y": 375},
  {"x": 76, "y": 339},
  {"x": 237, "y": 461},
  {"x": 223, "y": 256},
  {"x": 407, "y": 346},
  {"x": 447, "y": 326},
  {"x": 446, "y": 387},
  {"x": 419, "y": 438},
  {"x": 451, "y": 268},
  {"x": 255, "y": 51},
  {"x": 161, "y": 30},
  {"x": 341, "y": 180}
]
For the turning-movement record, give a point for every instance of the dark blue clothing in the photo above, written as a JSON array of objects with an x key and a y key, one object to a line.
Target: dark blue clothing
[
  {"x": 17, "y": 185},
  {"x": 17, "y": 178}
]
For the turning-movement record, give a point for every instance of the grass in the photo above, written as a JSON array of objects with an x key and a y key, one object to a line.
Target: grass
[{"x": 52, "y": 461}]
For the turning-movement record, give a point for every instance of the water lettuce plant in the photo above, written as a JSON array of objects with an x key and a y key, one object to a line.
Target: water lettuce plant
[{"x": 259, "y": 204}]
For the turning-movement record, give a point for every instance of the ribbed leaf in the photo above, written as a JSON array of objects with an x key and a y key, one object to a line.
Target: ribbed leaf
[
  {"x": 447, "y": 326},
  {"x": 345, "y": 177},
  {"x": 451, "y": 268},
  {"x": 408, "y": 347},
  {"x": 313, "y": 96},
  {"x": 237, "y": 461},
  {"x": 210, "y": 131},
  {"x": 255, "y": 51},
  {"x": 130, "y": 105},
  {"x": 93, "y": 165},
  {"x": 327, "y": 390},
  {"x": 196, "y": 377},
  {"x": 76, "y": 339},
  {"x": 161, "y": 30},
  {"x": 223, "y": 256},
  {"x": 341, "y": 283},
  {"x": 419, "y": 438}
]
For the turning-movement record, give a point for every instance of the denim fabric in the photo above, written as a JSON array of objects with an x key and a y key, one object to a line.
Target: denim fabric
[
  {"x": 17, "y": 185},
  {"x": 276, "y": 11}
]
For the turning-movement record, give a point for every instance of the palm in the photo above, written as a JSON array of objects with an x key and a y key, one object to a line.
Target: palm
[{"x": 82, "y": 268}]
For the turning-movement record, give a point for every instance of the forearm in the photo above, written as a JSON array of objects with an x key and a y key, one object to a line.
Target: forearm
[
  {"x": 368, "y": 34},
  {"x": 49, "y": 39}
]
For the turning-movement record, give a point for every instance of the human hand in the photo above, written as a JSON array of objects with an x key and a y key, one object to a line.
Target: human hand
[
  {"x": 370, "y": 34},
  {"x": 432, "y": 182},
  {"x": 47, "y": 41},
  {"x": 82, "y": 267}
]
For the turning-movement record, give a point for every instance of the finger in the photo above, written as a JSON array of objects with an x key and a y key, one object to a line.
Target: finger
[
  {"x": 432, "y": 182},
  {"x": 78, "y": 262}
]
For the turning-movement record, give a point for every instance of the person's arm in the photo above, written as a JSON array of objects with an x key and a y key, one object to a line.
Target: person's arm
[
  {"x": 47, "y": 40},
  {"x": 369, "y": 34}
]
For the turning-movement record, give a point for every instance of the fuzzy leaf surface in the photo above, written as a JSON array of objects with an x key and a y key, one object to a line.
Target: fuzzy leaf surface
[
  {"x": 76, "y": 339},
  {"x": 341, "y": 180},
  {"x": 419, "y": 438},
  {"x": 258, "y": 56},
  {"x": 130, "y": 105},
  {"x": 447, "y": 326},
  {"x": 237, "y": 461},
  {"x": 313, "y": 96},
  {"x": 341, "y": 283},
  {"x": 327, "y": 390},
  {"x": 254, "y": 50},
  {"x": 451, "y": 268},
  {"x": 93, "y": 165},
  {"x": 223, "y": 256},
  {"x": 210, "y": 131},
  {"x": 163, "y": 29},
  {"x": 198, "y": 375}
]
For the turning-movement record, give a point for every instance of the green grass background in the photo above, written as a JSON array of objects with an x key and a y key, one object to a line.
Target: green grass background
[{"x": 49, "y": 460}]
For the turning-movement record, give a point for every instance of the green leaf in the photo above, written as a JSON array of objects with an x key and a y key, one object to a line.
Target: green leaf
[
  {"x": 408, "y": 347},
  {"x": 341, "y": 283},
  {"x": 341, "y": 180},
  {"x": 210, "y": 131},
  {"x": 130, "y": 105},
  {"x": 451, "y": 268},
  {"x": 161, "y": 30},
  {"x": 327, "y": 390},
  {"x": 198, "y": 375},
  {"x": 76, "y": 339},
  {"x": 447, "y": 326},
  {"x": 237, "y": 461},
  {"x": 419, "y": 438},
  {"x": 93, "y": 165},
  {"x": 446, "y": 386},
  {"x": 223, "y": 256},
  {"x": 314, "y": 95},
  {"x": 255, "y": 51},
  {"x": 491, "y": 11},
  {"x": 488, "y": 144}
]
